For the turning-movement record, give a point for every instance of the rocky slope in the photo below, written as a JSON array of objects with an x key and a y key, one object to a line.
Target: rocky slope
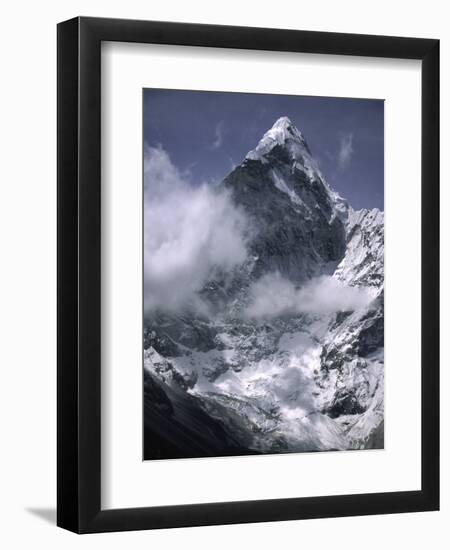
[{"x": 289, "y": 357}]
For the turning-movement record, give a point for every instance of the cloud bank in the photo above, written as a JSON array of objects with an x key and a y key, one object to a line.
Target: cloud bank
[
  {"x": 190, "y": 232},
  {"x": 273, "y": 296}
]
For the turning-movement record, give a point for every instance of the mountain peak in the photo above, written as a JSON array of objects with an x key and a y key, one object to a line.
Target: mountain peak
[
  {"x": 283, "y": 132},
  {"x": 285, "y": 125},
  {"x": 291, "y": 168}
]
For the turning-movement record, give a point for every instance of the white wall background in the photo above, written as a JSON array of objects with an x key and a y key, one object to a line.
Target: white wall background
[{"x": 28, "y": 269}]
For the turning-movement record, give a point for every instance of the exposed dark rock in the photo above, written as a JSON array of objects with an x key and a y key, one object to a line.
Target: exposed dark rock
[
  {"x": 175, "y": 426},
  {"x": 343, "y": 405}
]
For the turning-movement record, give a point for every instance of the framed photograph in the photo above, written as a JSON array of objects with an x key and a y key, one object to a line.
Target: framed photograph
[{"x": 248, "y": 256}]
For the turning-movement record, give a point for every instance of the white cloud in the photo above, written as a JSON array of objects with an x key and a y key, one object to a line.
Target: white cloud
[
  {"x": 293, "y": 389},
  {"x": 346, "y": 150},
  {"x": 189, "y": 233},
  {"x": 273, "y": 296},
  {"x": 218, "y": 136}
]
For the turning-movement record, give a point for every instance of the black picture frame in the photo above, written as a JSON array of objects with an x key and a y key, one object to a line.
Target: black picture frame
[{"x": 79, "y": 280}]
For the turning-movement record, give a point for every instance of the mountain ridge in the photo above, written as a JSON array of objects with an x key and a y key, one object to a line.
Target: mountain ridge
[{"x": 308, "y": 379}]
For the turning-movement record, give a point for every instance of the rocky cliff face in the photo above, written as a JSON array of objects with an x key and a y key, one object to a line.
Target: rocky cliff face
[
  {"x": 279, "y": 185},
  {"x": 288, "y": 354}
]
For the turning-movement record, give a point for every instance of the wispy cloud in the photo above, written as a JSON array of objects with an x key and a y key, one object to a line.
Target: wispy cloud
[
  {"x": 190, "y": 231},
  {"x": 218, "y": 136},
  {"x": 346, "y": 150},
  {"x": 272, "y": 296}
]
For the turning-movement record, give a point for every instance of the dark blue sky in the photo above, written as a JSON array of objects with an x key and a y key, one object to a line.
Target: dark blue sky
[{"x": 207, "y": 133}]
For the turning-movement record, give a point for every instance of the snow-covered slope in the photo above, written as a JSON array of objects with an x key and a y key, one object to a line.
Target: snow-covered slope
[
  {"x": 307, "y": 378},
  {"x": 363, "y": 262}
]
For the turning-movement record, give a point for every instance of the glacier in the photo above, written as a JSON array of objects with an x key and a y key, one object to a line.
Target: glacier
[{"x": 286, "y": 353}]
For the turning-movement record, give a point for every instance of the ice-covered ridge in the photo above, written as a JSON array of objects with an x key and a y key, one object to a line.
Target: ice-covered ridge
[
  {"x": 364, "y": 217},
  {"x": 363, "y": 263}
]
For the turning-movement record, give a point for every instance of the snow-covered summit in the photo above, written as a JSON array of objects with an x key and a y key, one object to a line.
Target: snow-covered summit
[
  {"x": 294, "y": 154},
  {"x": 282, "y": 133},
  {"x": 284, "y": 129}
]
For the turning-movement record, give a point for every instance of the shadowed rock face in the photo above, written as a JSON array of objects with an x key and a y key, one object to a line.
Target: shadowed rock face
[
  {"x": 298, "y": 251},
  {"x": 177, "y": 426},
  {"x": 299, "y": 229},
  {"x": 219, "y": 383}
]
